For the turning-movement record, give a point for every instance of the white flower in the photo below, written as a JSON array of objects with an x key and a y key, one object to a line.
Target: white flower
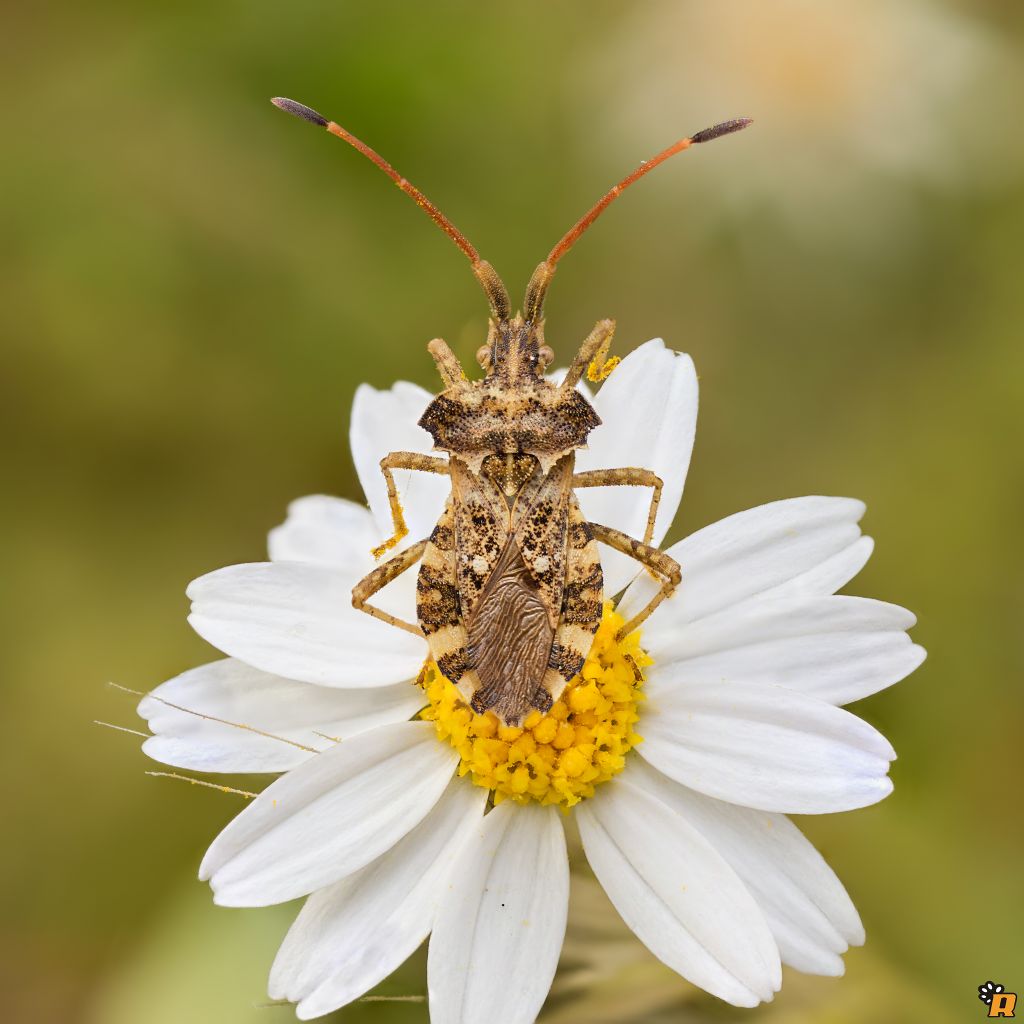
[{"x": 740, "y": 721}]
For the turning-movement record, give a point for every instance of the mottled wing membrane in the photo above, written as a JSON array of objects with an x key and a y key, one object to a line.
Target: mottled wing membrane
[{"x": 510, "y": 640}]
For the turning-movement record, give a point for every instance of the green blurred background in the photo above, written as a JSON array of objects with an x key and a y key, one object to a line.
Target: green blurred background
[{"x": 193, "y": 285}]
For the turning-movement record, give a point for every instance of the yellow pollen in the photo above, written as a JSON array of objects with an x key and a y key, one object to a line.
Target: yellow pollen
[
  {"x": 558, "y": 757},
  {"x": 597, "y": 372}
]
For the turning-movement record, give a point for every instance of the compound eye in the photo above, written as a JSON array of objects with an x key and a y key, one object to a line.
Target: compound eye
[
  {"x": 483, "y": 357},
  {"x": 546, "y": 356}
]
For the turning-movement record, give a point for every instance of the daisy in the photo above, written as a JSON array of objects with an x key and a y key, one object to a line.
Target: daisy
[{"x": 678, "y": 751}]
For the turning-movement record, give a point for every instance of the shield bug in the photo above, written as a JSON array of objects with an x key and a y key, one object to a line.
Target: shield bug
[{"x": 510, "y": 587}]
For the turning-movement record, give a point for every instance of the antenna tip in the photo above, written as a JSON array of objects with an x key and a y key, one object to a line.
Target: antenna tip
[
  {"x": 718, "y": 130},
  {"x": 299, "y": 110}
]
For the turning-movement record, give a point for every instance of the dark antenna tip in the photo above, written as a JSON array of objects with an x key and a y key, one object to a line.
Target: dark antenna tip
[
  {"x": 718, "y": 130},
  {"x": 299, "y": 110}
]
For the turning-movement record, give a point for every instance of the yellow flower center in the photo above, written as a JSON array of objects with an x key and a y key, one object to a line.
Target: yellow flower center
[{"x": 558, "y": 757}]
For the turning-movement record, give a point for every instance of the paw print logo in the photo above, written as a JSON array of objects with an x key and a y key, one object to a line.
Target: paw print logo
[
  {"x": 1000, "y": 1003},
  {"x": 987, "y": 991}
]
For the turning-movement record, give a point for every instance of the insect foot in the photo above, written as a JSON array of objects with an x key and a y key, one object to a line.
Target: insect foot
[{"x": 410, "y": 461}]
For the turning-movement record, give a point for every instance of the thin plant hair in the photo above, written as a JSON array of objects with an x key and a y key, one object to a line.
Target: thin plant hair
[{"x": 208, "y": 718}]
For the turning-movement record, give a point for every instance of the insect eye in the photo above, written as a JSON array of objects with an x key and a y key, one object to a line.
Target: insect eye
[
  {"x": 547, "y": 357},
  {"x": 483, "y": 357}
]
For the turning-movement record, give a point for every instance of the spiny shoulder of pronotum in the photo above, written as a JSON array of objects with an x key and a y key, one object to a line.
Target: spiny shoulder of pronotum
[{"x": 513, "y": 408}]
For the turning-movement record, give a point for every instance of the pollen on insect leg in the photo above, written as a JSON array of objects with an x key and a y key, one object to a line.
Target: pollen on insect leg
[
  {"x": 391, "y": 542},
  {"x": 597, "y": 373}
]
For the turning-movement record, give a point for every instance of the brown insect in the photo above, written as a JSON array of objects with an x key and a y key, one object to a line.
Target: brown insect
[{"x": 510, "y": 589}]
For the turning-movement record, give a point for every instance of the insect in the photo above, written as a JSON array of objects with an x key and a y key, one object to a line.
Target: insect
[{"x": 510, "y": 586}]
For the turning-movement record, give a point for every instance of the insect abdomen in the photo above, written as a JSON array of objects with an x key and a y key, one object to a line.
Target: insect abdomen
[{"x": 439, "y": 604}]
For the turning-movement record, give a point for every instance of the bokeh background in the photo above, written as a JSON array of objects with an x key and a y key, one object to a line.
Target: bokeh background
[{"x": 193, "y": 285}]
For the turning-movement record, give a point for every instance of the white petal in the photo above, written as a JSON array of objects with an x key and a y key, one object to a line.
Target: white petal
[
  {"x": 326, "y": 531},
  {"x": 677, "y": 893},
  {"x": 648, "y": 409},
  {"x": 249, "y": 702},
  {"x": 335, "y": 532},
  {"x": 805, "y": 904},
  {"x": 752, "y": 553},
  {"x": 353, "y": 934},
  {"x": 837, "y": 649},
  {"x": 557, "y": 376},
  {"x": 296, "y": 620},
  {"x": 825, "y": 577},
  {"x": 766, "y": 747},
  {"x": 330, "y": 816},
  {"x": 500, "y": 926},
  {"x": 385, "y": 422}
]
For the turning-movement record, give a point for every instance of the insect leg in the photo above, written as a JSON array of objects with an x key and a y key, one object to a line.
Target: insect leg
[
  {"x": 629, "y": 477},
  {"x": 380, "y": 577},
  {"x": 404, "y": 460},
  {"x": 447, "y": 365},
  {"x": 656, "y": 561},
  {"x": 590, "y": 357}
]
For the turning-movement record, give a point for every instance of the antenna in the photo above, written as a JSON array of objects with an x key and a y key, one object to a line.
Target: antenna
[
  {"x": 538, "y": 286},
  {"x": 495, "y": 290}
]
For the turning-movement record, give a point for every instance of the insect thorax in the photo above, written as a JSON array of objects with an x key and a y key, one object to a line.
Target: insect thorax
[
  {"x": 510, "y": 473},
  {"x": 514, "y": 410}
]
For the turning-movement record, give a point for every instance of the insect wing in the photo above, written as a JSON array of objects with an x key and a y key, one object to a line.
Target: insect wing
[
  {"x": 540, "y": 526},
  {"x": 509, "y": 640}
]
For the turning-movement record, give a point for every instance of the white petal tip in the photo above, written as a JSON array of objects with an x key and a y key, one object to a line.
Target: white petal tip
[
  {"x": 146, "y": 708},
  {"x": 873, "y": 791},
  {"x": 748, "y": 1000},
  {"x": 648, "y": 344},
  {"x": 230, "y": 898},
  {"x": 826, "y": 966},
  {"x": 209, "y": 867},
  {"x": 885, "y": 787},
  {"x": 196, "y": 587}
]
